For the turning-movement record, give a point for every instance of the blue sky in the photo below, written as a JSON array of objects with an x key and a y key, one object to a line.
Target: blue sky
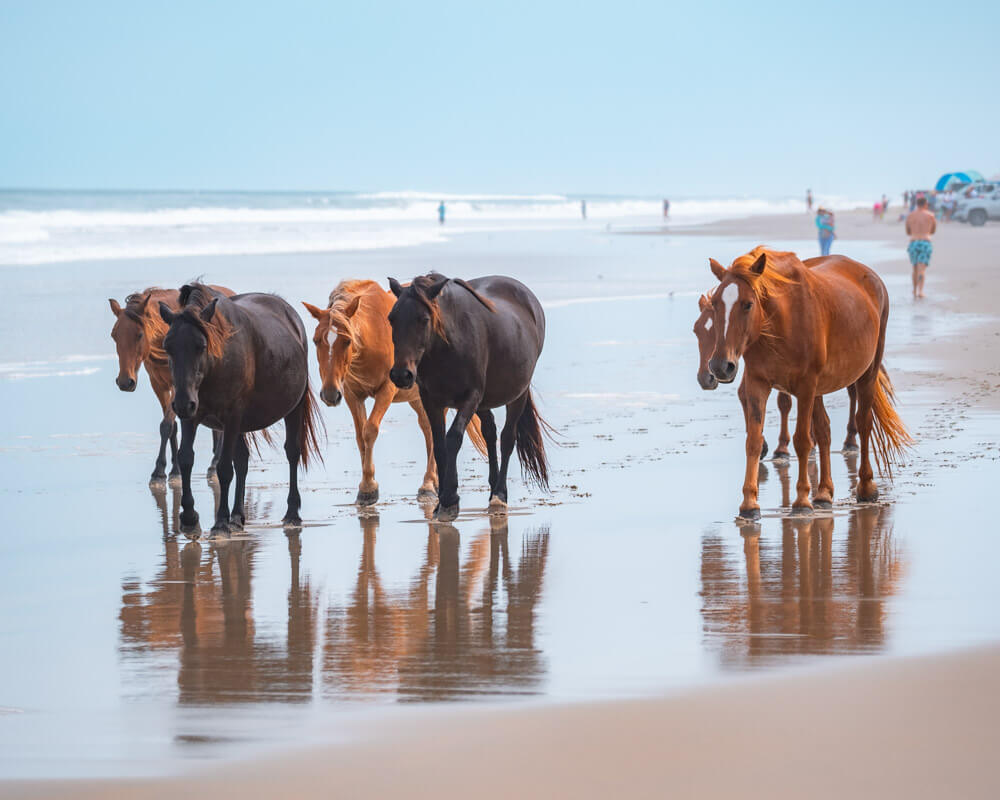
[{"x": 617, "y": 98}]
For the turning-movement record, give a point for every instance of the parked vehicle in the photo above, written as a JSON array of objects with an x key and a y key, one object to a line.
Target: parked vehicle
[{"x": 978, "y": 203}]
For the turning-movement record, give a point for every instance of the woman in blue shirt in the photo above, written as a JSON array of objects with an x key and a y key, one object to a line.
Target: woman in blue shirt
[{"x": 824, "y": 222}]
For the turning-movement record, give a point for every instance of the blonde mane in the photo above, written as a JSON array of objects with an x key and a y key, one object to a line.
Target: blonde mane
[
  {"x": 140, "y": 310},
  {"x": 340, "y": 298},
  {"x": 779, "y": 271}
]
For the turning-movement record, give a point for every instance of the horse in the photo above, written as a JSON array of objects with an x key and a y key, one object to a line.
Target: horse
[
  {"x": 239, "y": 364},
  {"x": 354, "y": 350},
  {"x": 472, "y": 346},
  {"x": 705, "y": 335},
  {"x": 807, "y": 332},
  {"x": 138, "y": 335}
]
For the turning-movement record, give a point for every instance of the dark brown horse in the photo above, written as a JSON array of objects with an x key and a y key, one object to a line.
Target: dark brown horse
[
  {"x": 239, "y": 364},
  {"x": 472, "y": 346},
  {"x": 807, "y": 332},
  {"x": 138, "y": 335}
]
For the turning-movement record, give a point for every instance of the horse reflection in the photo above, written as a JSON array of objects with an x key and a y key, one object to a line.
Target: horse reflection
[
  {"x": 811, "y": 594},
  {"x": 465, "y": 624}
]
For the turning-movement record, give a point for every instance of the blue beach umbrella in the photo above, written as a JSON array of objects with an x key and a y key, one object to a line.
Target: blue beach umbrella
[{"x": 969, "y": 176}]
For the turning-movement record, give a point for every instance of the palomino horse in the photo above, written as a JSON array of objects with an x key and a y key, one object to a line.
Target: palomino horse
[
  {"x": 472, "y": 346},
  {"x": 239, "y": 364},
  {"x": 705, "y": 334},
  {"x": 807, "y": 332},
  {"x": 138, "y": 334},
  {"x": 354, "y": 350}
]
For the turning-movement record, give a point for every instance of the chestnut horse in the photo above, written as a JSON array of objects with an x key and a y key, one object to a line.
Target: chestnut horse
[
  {"x": 354, "y": 350},
  {"x": 138, "y": 335},
  {"x": 472, "y": 346},
  {"x": 239, "y": 364},
  {"x": 807, "y": 332}
]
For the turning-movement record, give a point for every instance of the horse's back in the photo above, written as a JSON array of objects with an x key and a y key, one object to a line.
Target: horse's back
[
  {"x": 270, "y": 314},
  {"x": 511, "y": 297},
  {"x": 847, "y": 281}
]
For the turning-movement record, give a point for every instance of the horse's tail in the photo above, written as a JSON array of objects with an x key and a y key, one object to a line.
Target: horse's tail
[
  {"x": 312, "y": 422},
  {"x": 254, "y": 438},
  {"x": 531, "y": 429},
  {"x": 475, "y": 431},
  {"x": 890, "y": 437}
]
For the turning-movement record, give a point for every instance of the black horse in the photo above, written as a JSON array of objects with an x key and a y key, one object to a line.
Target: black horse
[
  {"x": 472, "y": 346},
  {"x": 238, "y": 365}
]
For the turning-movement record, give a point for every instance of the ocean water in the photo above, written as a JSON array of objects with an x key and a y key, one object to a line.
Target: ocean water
[{"x": 38, "y": 227}]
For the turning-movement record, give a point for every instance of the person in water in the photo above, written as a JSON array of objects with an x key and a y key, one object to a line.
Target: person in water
[
  {"x": 441, "y": 213},
  {"x": 825, "y": 225},
  {"x": 920, "y": 226},
  {"x": 583, "y": 209},
  {"x": 666, "y": 208},
  {"x": 809, "y": 199}
]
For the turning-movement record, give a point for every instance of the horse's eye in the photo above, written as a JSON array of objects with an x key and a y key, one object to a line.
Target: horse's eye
[
  {"x": 141, "y": 334},
  {"x": 747, "y": 305}
]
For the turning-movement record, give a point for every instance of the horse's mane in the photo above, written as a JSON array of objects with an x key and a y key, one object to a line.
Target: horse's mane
[
  {"x": 340, "y": 299},
  {"x": 780, "y": 271},
  {"x": 139, "y": 309},
  {"x": 422, "y": 283},
  {"x": 193, "y": 298}
]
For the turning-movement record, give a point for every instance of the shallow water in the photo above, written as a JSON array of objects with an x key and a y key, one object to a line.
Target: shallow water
[{"x": 129, "y": 648}]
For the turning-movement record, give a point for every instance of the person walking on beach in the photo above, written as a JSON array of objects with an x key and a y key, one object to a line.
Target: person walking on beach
[
  {"x": 920, "y": 226},
  {"x": 441, "y": 213},
  {"x": 809, "y": 199},
  {"x": 666, "y": 207},
  {"x": 825, "y": 224},
  {"x": 885, "y": 206}
]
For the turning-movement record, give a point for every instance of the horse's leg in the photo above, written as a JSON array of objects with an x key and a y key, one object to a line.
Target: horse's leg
[
  {"x": 435, "y": 418},
  {"x": 741, "y": 393},
  {"x": 489, "y": 429},
  {"x": 293, "y": 451},
  {"x": 756, "y": 399},
  {"x": 448, "y": 493},
  {"x": 216, "y": 454},
  {"x": 428, "y": 489},
  {"x": 803, "y": 446},
  {"x": 823, "y": 497},
  {"x": 241, "y": 463},
  {"x": 508, "y": 438},
  {"x": 851, "y": 442},
  {"x": 866, "y": 491},
  {"x": 368, "y": 491},
  {"x": 175, "y": 470},
  {"x": 185, "y": 455},
  {"x": 159, "y": 476},
  {"x": 784, "y": 437},
  {"x": 224, "y": 471}
]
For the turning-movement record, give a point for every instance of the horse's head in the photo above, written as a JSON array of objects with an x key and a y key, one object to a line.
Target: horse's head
[
  {"x": 190, "y": 344},
  {"x": 705, "y": 333},
  {"x": 415, "y": 320},
  {"x": 131, "y": 341},
  {"x": 736, "y": 315},
  {"x": 334, "y": 340}
]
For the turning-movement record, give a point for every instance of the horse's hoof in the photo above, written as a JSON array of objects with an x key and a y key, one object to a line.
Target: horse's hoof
[
  {"x": 869, "y": 497},
  {"x": 212, "y": 476},
  {"x": 751, "y": 514},
  {"x": 822, "y": 504},
  {"x": 221, "y": 529},
  {"x": 802, "y": 510},
  {"x": 781, "y": 455},
  {"x": 849, "y": 448},
  {"x": 157, "y": 481},
  {"x": 237, "y": 521},
  {"x": 498, "y": 505},
  {"x": 426, "y": 495},
  {"x": 446, "y": 513},
  {"x": 189, "y": 524},
  {"x": 367, "y": 498},
  {"x": 292, "y": 521},
  {"x": 174, "y": 479},
  {"x": 763, "y": 448}
]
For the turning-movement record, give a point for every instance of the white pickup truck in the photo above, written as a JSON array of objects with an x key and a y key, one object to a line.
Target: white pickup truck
[{"x": 983, "y": 204}]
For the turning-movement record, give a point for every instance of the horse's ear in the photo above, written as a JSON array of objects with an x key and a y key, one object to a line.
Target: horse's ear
[
  {"x": 166, "y": 314},
  {"x": 703, "y": 302},
  {"x": 757, "y": 267},
  {"x": 435, "y": 288},
  {"x": 209, "y": 311},
  {"x": 316, "y": 312},
  {"x": 352, "y": 307},
  {"x": 395, "y": 287},
  {"x": 718, "y": 270},
  {"x": 115, "y": 308},
  {"x": 145, "y": 302}
]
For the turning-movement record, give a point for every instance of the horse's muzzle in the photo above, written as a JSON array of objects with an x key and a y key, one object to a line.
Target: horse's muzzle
[
  {"x": 184, "y": 409},
  {"x": 402, "y": 377},
  {"x": 707, "y": 381},
  {"x": 125, "y": 384},
  {"x": 723, "y": 371},
  {"x": 330, "y": 396}
]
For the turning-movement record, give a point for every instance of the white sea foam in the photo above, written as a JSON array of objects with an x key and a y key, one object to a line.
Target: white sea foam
[{"x": 54, "y": 368}]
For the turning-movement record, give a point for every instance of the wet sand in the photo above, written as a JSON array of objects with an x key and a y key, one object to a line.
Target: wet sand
[{"x": 630, "y": 636}]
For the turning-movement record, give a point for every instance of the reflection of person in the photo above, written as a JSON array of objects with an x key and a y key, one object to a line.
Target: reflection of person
[
  {"x": 441, "y": 213},
  {"x": 809, "y": 199},
  {"x": 920, "y": 226},
  {"x": 825, "y": 225}
]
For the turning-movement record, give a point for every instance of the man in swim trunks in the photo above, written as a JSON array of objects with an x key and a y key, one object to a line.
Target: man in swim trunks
[{"x": 920, "y": 226}]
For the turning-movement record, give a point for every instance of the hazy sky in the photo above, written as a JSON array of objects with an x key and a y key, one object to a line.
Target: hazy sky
[{"x": 689, "y": 98}]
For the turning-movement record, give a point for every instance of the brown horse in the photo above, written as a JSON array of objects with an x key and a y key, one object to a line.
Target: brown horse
[
  {"x": 138, "y": 335},
  {"x": 705, "y": 334},
  {"x": 807, "y": 332},
  {"x": 354, "y": 350}
]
